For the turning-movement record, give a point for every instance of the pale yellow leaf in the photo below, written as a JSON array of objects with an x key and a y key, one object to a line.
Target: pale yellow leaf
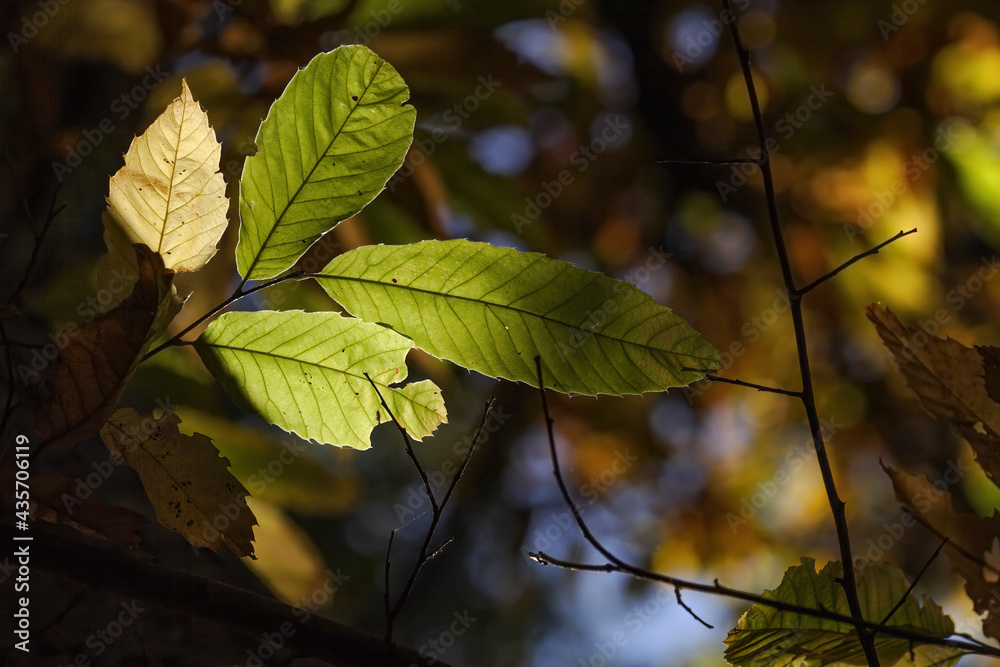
[{"x": 170, "y": 195}]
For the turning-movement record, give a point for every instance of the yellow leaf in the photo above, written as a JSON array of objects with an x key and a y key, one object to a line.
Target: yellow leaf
[
  {"x": 170, "y": 195},
  {"x": 287, "y": 560},
  {"x": 188, "y": 482}
]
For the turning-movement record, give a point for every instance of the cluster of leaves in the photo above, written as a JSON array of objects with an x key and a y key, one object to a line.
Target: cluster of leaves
[{"x": 327, "y": 147}]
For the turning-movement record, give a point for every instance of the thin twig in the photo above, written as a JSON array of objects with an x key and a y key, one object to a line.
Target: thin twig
[
  {"x": 236, "y": 296},
  {"x": 613, "y": 560},
  {"x": 388, "y": 565},
  {"x": 39, "y": 234},
  {"x": 715, "y": 163},
  {"x": 717, "y": 588},
  {"x": 425, "y": 554},
  {"x": 677, "y": 592},
  {"x": 871, "y": 251},
  {"x": 751, "y": 385},
  {"x": 962, "y": 551},
  {"x": 808, "y": 398},
  {"x": 409, "y": 446},
  {"x": 913, "y": 584}
]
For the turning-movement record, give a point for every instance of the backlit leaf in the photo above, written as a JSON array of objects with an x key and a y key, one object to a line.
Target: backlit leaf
[
  {"x": 100, "y": 356},
  {"x": 493, "y": 309},
  {"x": 326, "y": 149},
  {"x": 973, "y": 546},
  {"x": 188, "y": 482},
  {"x": 766, "y": 637},
  {"x": 950, "y": 381},
  {"x": 170, "y": 195},
  {"x": 305, "y": 373}
]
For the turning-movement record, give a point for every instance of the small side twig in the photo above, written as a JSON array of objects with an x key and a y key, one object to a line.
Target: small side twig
[
  {"x": 751, "y": 385},
  {"x": 409, "y": 446},
  {"x": 861, "y": 255},
  {"x": 236, "y": 296},
  {"x": 39, "y": 234},
  {"x": 392, "y": 610},
  {"x": 913, "y": 584},
  {"x": 613, "y": 560}
]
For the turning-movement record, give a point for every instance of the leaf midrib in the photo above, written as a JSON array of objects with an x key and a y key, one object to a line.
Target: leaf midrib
[
  {"x": 520, "y": 311},
  {"x": 298, "y": 190},
  {"x": 313, "y": 364}
]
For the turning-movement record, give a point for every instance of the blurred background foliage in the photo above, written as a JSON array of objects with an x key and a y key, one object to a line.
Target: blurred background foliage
[{"x": 885, "y": 117}]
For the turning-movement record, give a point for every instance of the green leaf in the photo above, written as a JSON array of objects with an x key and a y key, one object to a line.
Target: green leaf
[
  {"x": 765, "y": 636},
  {"x": 305, "y": 373},
  {"x": 326, "y": 149},
  {"x": 492, "y": 310}
]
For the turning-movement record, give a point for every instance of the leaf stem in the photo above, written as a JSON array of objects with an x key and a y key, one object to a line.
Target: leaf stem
[{"x": 236, "y": 296}]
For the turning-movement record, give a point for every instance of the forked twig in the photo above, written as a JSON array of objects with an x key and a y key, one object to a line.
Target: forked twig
[
  {"x": 425, "y": 554},
  {"x": 616, "y": 564},
  {"x": 808, "y": 398}
]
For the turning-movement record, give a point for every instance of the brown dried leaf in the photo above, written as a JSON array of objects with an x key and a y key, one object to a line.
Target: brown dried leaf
[
  {"x": 101, "y": 356},
  {"x": 186, "y": 479},
  {"x": 949, "y": 380},
  {"x": 71, "y": 502},
  {"x": 973, "y": 546}
]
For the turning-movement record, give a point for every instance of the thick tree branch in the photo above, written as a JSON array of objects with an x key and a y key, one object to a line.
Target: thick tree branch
[{"x": 110, "y": 570}]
